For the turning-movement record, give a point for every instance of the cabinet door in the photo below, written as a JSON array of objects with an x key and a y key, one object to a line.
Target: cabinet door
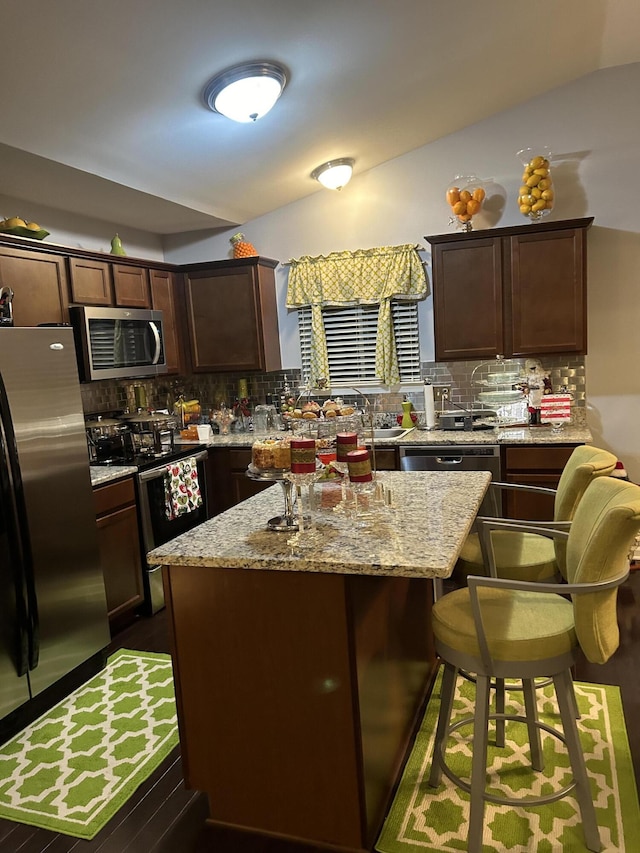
[
  {"x": 532, "y": 506},
  {"x": 163, "y": 299},
  {"x": 242, "y": 488},
  {"x": 227, "y": 479},
  {"x": 120, "y": 559},
  {"x": 533, "y": 466},
  {"x": 40, "y": 286},
  {"x": 467, "y": 299},
  {"x": 548, "y": 293},
  {"x": 91, "y": 282},
  {"x": 131, "y": 287},
  {"x": 233, "y": 322},
  {"x": 386, "y": 459}
]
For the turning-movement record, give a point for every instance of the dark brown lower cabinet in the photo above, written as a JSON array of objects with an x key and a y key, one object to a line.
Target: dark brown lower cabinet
[
  {"x": 227, "y": 479},
  {"x": 539, "y": 465},
  {"x": 119, "y": 543},
  {"x": 386, "y": 459},
  {"x": 298, "y": 694}
]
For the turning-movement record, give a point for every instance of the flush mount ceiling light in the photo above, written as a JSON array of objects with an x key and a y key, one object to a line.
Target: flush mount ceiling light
[
  {"x": 245, "y": 92},
  {"x": 334, "y": 174}
]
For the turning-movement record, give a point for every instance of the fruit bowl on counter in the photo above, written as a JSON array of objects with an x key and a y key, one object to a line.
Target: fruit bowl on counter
[{"x": 18, "y": 227}]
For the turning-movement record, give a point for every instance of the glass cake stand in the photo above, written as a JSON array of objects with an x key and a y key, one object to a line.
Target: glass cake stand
[{"x": 288, "y": 521}]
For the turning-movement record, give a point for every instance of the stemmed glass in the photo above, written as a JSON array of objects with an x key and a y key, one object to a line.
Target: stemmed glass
[
  {"x": 307, "y": 535},
  {"x": 303, "y": 475},
  {"x": 345, "y": 443}
]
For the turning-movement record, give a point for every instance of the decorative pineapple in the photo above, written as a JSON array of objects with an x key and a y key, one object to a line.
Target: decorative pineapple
[{"x": 241, "y": 248}]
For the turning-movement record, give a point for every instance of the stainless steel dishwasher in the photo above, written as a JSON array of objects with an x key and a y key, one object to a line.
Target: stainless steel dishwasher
[{"x": 457, "y": 457}]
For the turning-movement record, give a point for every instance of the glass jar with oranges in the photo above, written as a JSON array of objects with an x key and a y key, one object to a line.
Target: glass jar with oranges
[
  {"x": 465, "y": 197},
  {"x": 536, "y": 195}
]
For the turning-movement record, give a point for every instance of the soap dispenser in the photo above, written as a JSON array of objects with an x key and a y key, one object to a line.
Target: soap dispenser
[{"x": 407, "y": 421}]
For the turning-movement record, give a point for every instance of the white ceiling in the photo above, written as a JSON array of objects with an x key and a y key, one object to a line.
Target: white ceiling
[{"x": 101, "y": 110}]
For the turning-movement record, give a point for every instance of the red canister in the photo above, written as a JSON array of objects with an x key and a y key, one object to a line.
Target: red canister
[
  {"x": 345, "y": 443},
  {"x": 359, "y": 463},
  {"x": 303, "y": 455}
]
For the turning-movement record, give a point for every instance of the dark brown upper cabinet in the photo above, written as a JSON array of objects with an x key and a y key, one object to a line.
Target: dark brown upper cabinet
[
  {"x": 131, "y": 286},
  {"x": 517, "y": 291},
  {"x": 39, "y": 284},
  {"x": 163, "y": 298},
  {"x": 91, "y": 282},
  {"x": 232, "y": 315},
  {"x": 95, "y": 282}
]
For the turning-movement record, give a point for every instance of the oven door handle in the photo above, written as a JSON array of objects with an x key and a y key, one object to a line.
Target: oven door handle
[{"x": 154, "y": 473}]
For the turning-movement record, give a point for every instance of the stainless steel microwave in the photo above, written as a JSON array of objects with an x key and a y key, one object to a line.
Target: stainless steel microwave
[{"x": 118, "y": 343}]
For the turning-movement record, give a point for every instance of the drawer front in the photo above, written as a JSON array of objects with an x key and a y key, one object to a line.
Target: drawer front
[
  {"x": 537, "y": 458},
  {"x": 114, "y": 495}
]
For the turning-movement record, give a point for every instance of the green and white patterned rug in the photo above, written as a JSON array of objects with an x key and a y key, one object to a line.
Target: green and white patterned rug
[
  {"x": 436, "y": 819},
  {"x": 73, "y": 768}
]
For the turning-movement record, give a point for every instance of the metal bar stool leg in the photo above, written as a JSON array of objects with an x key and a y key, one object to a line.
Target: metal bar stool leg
[
  {"x": 444, "y": 715},
  {"x": 479, "y": 764},
  {"x": 500, "y": 706},
  {"x": 531, "y": 710},
  {"x": 564, "y": 690}
]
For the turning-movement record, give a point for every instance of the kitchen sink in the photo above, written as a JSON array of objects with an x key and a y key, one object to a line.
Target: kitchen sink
[{"x": 390, "y": 432}]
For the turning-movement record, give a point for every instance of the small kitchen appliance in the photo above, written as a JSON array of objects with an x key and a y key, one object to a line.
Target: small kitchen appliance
[
  {"x": 6, "y": 306},
  {"x": 152, "y": 433},
  {"x": 118, "y": 343}
]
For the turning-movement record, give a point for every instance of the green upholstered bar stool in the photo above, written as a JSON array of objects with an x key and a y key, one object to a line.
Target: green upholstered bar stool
[
  {"x": 505, "y": 628},
  {"x": 519, "y": 553},
  {"x": 510, "y": 548}
]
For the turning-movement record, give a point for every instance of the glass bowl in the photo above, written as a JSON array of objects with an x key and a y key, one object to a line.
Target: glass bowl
[{"x": 465, "y": 196}]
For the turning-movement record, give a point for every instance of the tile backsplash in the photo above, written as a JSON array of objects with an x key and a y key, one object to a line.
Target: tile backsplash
[{"x": 214, "y": 388}]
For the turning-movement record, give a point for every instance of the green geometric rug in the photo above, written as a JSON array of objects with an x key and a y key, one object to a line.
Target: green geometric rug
[
  {"x": 73, "y": 768},
  {"x": 436, "y": 819}
]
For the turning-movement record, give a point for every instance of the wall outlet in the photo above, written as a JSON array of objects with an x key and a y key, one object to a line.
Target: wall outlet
[{"x": 441, "y": 394}]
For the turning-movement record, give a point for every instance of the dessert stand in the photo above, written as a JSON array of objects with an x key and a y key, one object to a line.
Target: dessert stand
[{"x": 288, "y": 521}]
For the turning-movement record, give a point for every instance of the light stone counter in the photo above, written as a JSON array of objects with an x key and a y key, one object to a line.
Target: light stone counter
[
  {"x": 420, "y": 537},
  {"x": 578, "y": 434},
  {"x": 101, "y": 474}
]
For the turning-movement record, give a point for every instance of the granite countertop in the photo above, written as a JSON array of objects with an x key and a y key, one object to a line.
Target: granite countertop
[
  {"x": 419, "y": 536},
  {"x": 101, "y": 474},
  {"x": 572, "y": 434}
]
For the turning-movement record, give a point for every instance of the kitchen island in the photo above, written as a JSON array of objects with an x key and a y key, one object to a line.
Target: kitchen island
[{"x": 301, "y": 672}]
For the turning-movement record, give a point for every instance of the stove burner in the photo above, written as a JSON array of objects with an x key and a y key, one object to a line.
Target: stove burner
[{"x": 144, "y": 461}]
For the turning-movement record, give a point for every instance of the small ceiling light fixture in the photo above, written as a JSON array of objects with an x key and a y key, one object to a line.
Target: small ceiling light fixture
[
  {"x": 334, "y": 174},
  {"x": 245, "y": 92}
]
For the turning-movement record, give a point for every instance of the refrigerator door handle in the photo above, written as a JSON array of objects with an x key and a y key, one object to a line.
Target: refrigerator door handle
[{"x": 13, "y": 490}]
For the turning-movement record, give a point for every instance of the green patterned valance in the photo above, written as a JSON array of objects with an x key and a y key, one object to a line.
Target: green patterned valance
[
  {"x": 363, "y": 276},
  {"x": 373, "y": 276}
]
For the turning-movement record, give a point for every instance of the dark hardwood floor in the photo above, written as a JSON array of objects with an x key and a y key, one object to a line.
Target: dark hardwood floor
[{"x": 163, "y": 817}]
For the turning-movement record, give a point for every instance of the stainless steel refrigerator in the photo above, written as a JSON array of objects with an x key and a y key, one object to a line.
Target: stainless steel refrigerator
[{"x": 53, "y": 612}]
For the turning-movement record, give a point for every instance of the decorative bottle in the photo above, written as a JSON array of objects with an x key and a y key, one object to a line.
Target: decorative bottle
[{"x": 407, "y": 420}]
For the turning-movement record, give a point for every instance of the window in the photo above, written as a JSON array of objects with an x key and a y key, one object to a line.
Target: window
[{"x": 351, "y": 342}]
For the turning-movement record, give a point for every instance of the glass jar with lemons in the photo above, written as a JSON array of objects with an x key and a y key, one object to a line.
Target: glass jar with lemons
[
  {"x": 536, "y": 195},
  {"x": 465, "y": 197}
]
